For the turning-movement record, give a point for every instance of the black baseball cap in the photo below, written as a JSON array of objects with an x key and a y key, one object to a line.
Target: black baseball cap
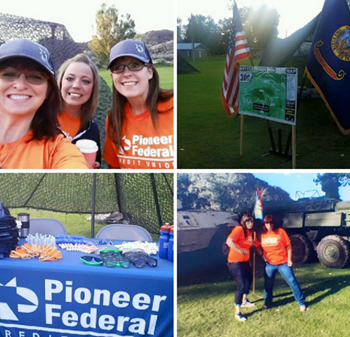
[
  {"x": 133, "y": 48},
  {"x": 29, "y": 49}
]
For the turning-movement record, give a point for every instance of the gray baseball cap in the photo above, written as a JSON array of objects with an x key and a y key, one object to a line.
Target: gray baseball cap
[
  {"x": 133, "y": 48},
  {"x": 28, "y": 49}
]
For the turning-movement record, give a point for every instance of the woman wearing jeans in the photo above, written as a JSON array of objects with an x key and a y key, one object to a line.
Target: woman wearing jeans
[
  {"x": 240, "y": 241},
  {"x": 276, "y": 250}
]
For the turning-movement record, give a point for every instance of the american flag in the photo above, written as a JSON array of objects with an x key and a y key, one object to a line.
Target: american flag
[{"x": 237, "y": 51}]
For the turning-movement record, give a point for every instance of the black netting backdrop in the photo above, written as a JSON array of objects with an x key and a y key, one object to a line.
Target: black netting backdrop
[
  {"x": 72, "y": 193},
  {"x": 58, "y": 41},
  {"x": 139, "y": 202}
]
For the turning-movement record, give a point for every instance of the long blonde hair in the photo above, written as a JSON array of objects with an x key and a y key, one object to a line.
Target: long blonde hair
[{"x": 89, "y": 108}]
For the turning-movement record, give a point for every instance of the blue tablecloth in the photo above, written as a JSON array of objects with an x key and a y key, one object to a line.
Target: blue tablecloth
[{"x": 67, "y": 298}]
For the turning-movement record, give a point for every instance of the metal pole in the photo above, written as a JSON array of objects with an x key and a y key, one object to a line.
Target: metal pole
[
  {"x": 118, "y": 187},
  {"x": 192, "y": 40},
  {"x": 93, "y": 205},
  {"x": 294, "y": 147},
  {"x": 241, "y": 137},
  {"x": 155, "y": 194}
]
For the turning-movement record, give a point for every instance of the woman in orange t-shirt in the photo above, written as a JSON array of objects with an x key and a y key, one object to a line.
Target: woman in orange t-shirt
[
  {"x": 240, "y": 241},
  {"x": 139, "y": 126},
  {"x": 29, "y": 103},
  {"x": 78, "y": 81},
  {"x": 276, "y": 250}
]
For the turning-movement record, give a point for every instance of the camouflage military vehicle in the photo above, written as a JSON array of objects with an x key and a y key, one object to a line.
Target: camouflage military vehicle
[
  {"x": 319, "y": 225},
  {"x": 199, "y": 229}
]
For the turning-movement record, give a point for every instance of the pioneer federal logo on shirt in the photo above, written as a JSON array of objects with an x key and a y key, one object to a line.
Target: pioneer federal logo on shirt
[
  {"x": 154, "y": 152},
  {"x": 269, "y": 242}
]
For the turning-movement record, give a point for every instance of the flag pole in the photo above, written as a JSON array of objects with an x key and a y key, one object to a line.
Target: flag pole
[
  {"x": 254, "y": 264},
  {"x": 258, "y": 214}
]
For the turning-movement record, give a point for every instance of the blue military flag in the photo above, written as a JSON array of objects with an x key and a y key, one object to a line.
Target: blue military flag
[
  {"x": 328, "y": 63},
  {"x": 258, "y": 208}
]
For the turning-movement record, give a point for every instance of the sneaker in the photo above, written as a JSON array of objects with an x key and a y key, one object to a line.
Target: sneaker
[
  {"x": 247, "y": 304},
  {"x": 303, "y": 308},
  {"x": 264, "y": 307},
  {"x": 240, "y": 317}
]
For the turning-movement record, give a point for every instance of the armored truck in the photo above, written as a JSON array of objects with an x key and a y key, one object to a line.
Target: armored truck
[
  {"x": 315, "y": 226},
  {"x": 199, "y": 229}
]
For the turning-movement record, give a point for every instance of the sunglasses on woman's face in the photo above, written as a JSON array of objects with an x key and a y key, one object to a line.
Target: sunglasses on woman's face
[
  {"x": 10, "y": 74},
  {"x": 91, "y": 260}
]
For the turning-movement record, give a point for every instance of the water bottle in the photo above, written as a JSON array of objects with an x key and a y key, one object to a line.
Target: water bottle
[
  {"x": 25, "y": 221},
  {"x": 164, "y": 241},
  {"x": 171, "y": 245}
]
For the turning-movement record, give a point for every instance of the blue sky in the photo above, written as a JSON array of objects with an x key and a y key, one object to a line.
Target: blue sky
[{"x": 298, "y": 182}]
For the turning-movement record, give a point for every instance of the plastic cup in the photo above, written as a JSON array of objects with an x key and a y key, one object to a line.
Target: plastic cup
[{"x": 89, "y": 149}]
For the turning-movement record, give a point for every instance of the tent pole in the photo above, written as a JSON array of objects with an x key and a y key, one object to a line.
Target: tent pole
[
  {"x": 93, "y": 205},
  {"x": 155, "y": 195}
]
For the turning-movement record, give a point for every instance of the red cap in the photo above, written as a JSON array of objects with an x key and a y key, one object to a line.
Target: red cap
[{"x": 165, "y": 228}]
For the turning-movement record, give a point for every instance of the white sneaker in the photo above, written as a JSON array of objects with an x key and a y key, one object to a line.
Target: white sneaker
[
  {"x": 247, "y": 304},
  {"x": 240, "y": 317}
]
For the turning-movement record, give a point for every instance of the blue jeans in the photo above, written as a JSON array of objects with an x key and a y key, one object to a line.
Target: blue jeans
[
  {"x": 242, "y": 273},
  {"x": 287, "y": 273}
]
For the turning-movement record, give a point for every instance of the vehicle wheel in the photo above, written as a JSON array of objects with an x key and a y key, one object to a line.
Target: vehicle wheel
[
  {"x": 333, "y": 251},
  {"x": 301, "y": 248}
]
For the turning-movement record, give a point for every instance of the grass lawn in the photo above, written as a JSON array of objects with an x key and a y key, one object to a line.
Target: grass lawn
[
  {"x": 76, "y": 224},
  {"x": 208, "y": 139},
  {"x": 206, "y": 305},
  {"x": 166, "y": 75}
]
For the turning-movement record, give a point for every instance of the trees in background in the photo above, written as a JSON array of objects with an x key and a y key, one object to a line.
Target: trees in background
[
  {"x": 259, "y": 25},
  {"x": 330, "y": 183},
  {"x": 112, "y": 28}
]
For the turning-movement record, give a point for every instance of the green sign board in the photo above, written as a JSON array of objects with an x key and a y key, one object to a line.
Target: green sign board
[{"x": 269, "y": 92}]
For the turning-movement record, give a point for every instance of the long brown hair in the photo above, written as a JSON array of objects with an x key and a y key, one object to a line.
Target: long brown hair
[
  {"x": 44, "y": 122},
  {"x": 246, "y": 218},
  {"x": 117, "y": 115},
  {"x": 88, "y": 109}
]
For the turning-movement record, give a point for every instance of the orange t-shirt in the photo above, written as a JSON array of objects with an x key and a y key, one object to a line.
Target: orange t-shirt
[
  {"x": 237, "y": 235},
  {"x": 274, "y": 245},
  {"x": 59, "y": 153},
  {"x": 69, "y": 125},
  {"x": 143, "y": 146}
]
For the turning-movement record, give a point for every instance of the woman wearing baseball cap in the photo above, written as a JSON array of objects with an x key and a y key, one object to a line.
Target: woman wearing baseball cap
[
  {"x": 29, "y": 104},
  {"x": 139, "y": 126}
]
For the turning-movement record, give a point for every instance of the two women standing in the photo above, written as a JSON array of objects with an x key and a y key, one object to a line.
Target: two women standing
[{"x": 275, "y": 249}]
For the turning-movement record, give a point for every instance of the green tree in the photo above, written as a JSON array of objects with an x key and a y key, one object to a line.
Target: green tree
[
  {"x": 224, "y": 28},
  {"x": 179, "y": 30},
  {"x": 112, "y": 28},
  {"x": 202, "y": 29},
  {"x": 330, "y": 183},
  {"x": 259, "y": 25}
]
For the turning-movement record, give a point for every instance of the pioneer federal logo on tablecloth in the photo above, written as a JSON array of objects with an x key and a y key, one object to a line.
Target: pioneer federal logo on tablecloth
[{"x": 25, "y": 301}]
